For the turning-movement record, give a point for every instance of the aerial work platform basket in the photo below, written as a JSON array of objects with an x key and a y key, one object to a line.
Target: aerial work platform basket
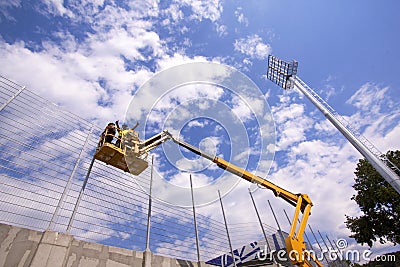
[
  {"x": 112, "y": 155},
  {"x": 122, "y": 156}
]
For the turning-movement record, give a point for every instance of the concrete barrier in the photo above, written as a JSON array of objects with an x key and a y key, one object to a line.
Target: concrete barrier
[{"x": 28, "y": 248}]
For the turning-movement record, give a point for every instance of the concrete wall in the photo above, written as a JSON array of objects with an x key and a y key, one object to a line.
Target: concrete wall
[{"x": 21, "y": 247}]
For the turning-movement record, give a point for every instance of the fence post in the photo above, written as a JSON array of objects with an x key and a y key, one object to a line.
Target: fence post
[
  {"x": 316, "y": 240},
  {"x": 339, "y": 250},
  {"x": 149, "y": 208},
  {"x": 68, "y": 185},
  {"x": 277, "y": 223},
  {"x": 259, "y": 220},
  {"x": 78, "y": 201},
  {"x": 147, "y": 253},
  {"x": 226, "y": 227},
  {"x": 12, "y": 98},
  {"x": 323, "y": 240},
  {"x": 195, "y": 223},
  {"x": 336, "y": 251}
]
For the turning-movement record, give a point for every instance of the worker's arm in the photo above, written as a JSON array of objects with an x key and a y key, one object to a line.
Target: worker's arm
[{"x": 118, "y": 128}]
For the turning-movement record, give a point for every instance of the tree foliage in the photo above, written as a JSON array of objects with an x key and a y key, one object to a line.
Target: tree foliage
[{"x": 380, "y": 205}]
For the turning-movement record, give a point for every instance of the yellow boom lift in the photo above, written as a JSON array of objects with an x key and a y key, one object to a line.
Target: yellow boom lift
[{"x": 131, "y": 156}]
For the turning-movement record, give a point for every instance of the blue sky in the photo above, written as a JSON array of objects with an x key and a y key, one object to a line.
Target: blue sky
[{"x": 91, "y": 57}]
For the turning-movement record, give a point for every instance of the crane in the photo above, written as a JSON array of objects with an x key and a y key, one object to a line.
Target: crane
[{"x": 132, "y": 155}]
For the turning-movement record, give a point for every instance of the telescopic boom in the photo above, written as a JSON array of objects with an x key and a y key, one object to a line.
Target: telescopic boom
[{"x": 295, "y": 244}]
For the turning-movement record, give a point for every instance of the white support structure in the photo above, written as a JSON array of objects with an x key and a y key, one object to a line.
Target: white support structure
[{"x": 286, "y": 78}]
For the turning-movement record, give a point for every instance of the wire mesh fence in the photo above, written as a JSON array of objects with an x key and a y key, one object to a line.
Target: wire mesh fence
[{"x": 45, "y": 155}]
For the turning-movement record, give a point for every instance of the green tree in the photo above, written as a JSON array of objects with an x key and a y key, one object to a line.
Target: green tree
[{"x": 380, "y": 205}]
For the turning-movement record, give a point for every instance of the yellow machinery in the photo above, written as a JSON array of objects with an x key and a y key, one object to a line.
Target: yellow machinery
[
  {"x": 130, "y": 155},
  {"x": 112, "y": 155},
  {"x": 133, "y": 155}
]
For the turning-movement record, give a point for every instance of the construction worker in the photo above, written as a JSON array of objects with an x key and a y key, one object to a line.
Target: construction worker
[
  {"x": 129, "y": 136},
  {"x": 121, "y": 133},
  {"x": 108, "y": 134}
]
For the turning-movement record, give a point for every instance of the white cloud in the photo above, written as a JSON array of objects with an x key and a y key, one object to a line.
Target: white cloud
[
  {"x": 325, "y": 127},
  {"x": 209, "y": 9},
  {"x": 174, "y": 12},
  {"x": 75, "y": 79},
  {"x": 182, "y": 179},
  {"x": 196, "y": 123},
  {"x": 222, "y": 30},
  {"x": 253, "y": 46},
  {"x": 244, "y": 155},
  {"x": 168, "y": 61},
  {"x": 385, "y": 142},
  {"x": 60, "y": 88},
  {"x": 181, "y": 104},
  {"x": 211, "y": 145},
  {"x": 5, "y": 5},
  {"x": 242, "y": 109},
  {"x": 89, "y": 77},
  {"x": 56, "y": 7},
  {"x": 192, "y": 165},
  {"x": 241, "y": 17},
  {"x": 368, "y": 96},
  {"x": 291, "y": 123},
  {"x": 247, "y": 61},
  {"x": 10, "y": 3},
  {"x": 373, "y": 105}
]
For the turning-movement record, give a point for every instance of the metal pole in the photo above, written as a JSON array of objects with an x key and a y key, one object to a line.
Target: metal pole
[
  {"x": 259, "y": 220},
  {"x": 316, "y": 240},
  {"x": 68, "y": 185},
  {"x": 149, "y": 209},
  {"x": 338, "y": 249},
  {"x": 305, "y": 234},
  {"x": 277, "y": 223},
  {"x": 12, "y": 98},
  {"x": 195, "y": 223},
  {"x": 390, "y": 176},
  {"x": 78, "y": 201},
  {"x": 337, "y": 252},
  {"x": 323, "y": 240},
  {"x": 226, "y": 227}
]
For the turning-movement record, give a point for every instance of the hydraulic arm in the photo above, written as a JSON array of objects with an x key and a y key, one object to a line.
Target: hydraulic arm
[{"x": 295, "y": 245}]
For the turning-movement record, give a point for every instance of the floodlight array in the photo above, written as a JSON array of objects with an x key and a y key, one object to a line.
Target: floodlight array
[{"x": 281, "y": 72}]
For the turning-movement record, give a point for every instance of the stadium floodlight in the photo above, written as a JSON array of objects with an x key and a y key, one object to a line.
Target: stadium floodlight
[
  {"x": 281, "y": 72},
  {"x": 284, "y": 74}
]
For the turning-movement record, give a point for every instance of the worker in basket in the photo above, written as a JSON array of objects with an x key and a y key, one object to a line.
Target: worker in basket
[
  {"x": 121, "y": 133},
  {"x": 108, "y": 134},
  {"x": 130, "y": 138}
]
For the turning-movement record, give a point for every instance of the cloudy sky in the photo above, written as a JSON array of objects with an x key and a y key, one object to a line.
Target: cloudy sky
[{"x": 91, "y": 57}]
